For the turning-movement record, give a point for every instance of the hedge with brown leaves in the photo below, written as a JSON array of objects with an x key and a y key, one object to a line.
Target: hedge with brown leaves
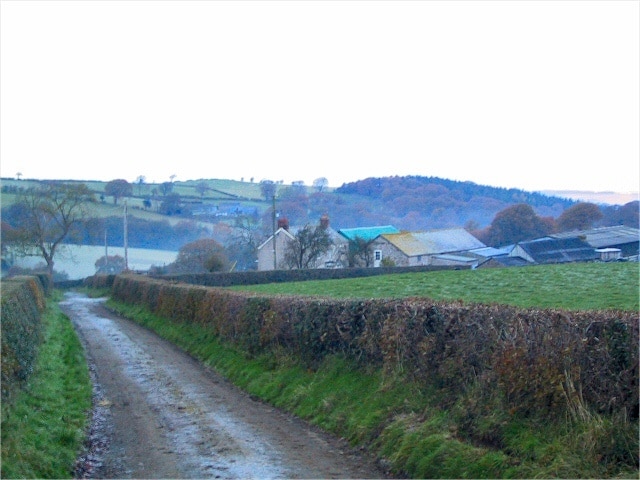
[{"x": 540, "y": 360}]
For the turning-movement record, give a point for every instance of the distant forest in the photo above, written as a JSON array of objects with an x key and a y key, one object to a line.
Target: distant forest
[{"x": 419, "y": 203}]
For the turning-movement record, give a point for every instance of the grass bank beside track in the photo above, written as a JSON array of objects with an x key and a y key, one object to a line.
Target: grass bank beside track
[{"x": 43, "y": 429}]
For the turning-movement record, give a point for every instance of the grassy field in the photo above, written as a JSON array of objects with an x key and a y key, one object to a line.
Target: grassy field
[
  {"x": 219, "y": 189},
  {"x": 249, "y": 193},
  {"x": 579, "y": 286}
]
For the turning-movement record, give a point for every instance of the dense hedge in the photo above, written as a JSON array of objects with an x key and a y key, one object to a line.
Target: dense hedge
[
  {"x": 99, "y": 281},
  {"x": 23, "y": 301},
  {"x": 542, "y": 361},
  {"x": 226, "y": 279}
]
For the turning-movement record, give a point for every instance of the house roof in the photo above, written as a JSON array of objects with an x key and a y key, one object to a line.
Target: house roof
[
  {"x": 366, "y": 233},
  {"x": 605, "y": 236},
  {"x": 558, "y": 250},
  {"x": 432, "y": 242},
  {"x": 280, "y": 231},
  {"x": 335, "y": 235}
]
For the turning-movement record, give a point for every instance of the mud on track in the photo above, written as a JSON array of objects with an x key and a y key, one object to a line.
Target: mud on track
[{"x": 160, "y": 414}]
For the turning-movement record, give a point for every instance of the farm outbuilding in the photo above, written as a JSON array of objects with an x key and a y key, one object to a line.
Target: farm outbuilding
[
  {"x": 627, "y": 239},
  {"x": 366, "y": 233},
  {"x": 609, "y": 254},
  {"x": 554, "y": 250},
  {"x": 447, "y": 246}
]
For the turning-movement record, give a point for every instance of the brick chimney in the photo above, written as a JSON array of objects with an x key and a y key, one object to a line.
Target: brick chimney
[{"x": 283, "y": 223}]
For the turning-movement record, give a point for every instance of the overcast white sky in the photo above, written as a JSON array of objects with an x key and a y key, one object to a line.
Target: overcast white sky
[{"x": 527, "y": 94}]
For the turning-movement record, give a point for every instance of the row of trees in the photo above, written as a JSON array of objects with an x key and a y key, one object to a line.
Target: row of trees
[
  {"x": 171, "y": 203},
  {"x": 520, "y": 222}
]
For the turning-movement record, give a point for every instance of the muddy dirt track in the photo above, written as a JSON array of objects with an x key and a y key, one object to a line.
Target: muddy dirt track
[{"x": 160, "y": 414}]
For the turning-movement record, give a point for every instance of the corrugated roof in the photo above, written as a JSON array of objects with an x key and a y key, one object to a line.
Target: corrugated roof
[
  {"x": 605, "y": 236},
  {"x": 456, "y": 258},
  {"x": 488, "y": 252},
  {"x": 432, "y": 242},
  {"x": 407, "y": 243},
  {"x": 559, "y": 250},
  {"x": 366, "y": 233},
  {"x": 505, "y": 261}
]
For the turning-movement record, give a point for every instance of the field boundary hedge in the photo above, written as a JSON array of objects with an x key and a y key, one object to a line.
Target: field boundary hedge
[
  {"x": 547, "y": 361},
  {"x": 23, "y": 301},
  {"x": 227, "y": 279}
]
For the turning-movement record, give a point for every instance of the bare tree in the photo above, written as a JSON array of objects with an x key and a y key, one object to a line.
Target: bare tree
[
  {"x": 360, "y": 253},
  {"x": 309, "y": 245},
  {"x": 49, "y": 212},
  {"x": 140, "y": 182},
  {"x": 166, "y": 188},
  {"x": 243, "y": 246},
  {"x": 201, "y": 188},
  {"x": 320, "y": 183},
  {"x": 268, "y": 189}
]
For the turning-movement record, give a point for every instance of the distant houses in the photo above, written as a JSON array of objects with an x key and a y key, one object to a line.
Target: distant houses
[
  {"x": 271, "y": 251},
  {"x": 389, "y": 247},
  {"x": 457, "y": 247}
]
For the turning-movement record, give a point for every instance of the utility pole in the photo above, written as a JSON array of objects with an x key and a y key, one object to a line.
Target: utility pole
[
  {"x": 126, "y": 256},
  {"x": 275, "y": 263}
]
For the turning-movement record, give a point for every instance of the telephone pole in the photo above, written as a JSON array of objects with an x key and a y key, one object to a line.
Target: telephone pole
[
  {"x": 126, "y": 256},
  {"x": 275, "y": 263}
]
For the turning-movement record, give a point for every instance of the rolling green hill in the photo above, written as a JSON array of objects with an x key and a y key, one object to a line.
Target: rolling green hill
[{"x": 408, "y": 203}]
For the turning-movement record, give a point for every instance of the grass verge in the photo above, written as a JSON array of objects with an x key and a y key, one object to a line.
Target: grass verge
[
  {"x": 406, "y": 425},
  {"x": 43, "y": 429}
]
